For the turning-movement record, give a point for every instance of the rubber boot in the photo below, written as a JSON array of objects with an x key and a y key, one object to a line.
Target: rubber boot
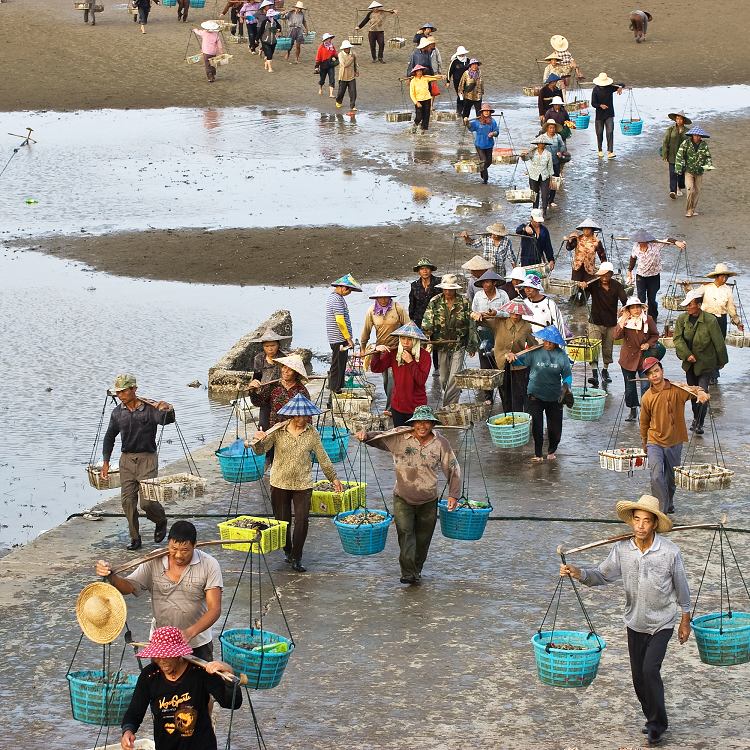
[
  {"x": 605, "y": 376},
  {"x": 633, "y": 414},
  {"x": 594, "y": 379}
]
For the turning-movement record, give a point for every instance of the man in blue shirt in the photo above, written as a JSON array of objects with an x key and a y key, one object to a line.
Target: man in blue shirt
[{"x": 485, "y": 131}]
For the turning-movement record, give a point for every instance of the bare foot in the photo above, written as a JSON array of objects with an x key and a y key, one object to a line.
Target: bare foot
[{"x": 551, "y": 457}]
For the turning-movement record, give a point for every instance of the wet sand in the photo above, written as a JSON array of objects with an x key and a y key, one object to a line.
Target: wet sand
[{"x": 60, "y": 63}]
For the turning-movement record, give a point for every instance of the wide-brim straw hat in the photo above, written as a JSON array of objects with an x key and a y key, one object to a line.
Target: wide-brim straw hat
[
  {"x": 412, "y": 330},
  {"x": 497, "y": 228},
  {"x": 675, "y": 115},
  {"x": 418, "y": 67},
  {"x": 382, "y": 290},
  {"x": 484, "y": 107},
  {"x": 424, "y": 414},
  {"x": 488, "y": 275},
  {"x": 642, "y": 235},
  {"x": 425, "y": 41},
  {"x": 691, "y": 296},
  {"x": 605, "y": 267},
  {"x": 632, "y": 301},
  {"x": 346, "y": 44},
  {"x": 721, "y": 269},
  {"x": 299, "y": 406},
  {"x": 210, "y": 26},
  {"x": 552, "y": 56},
  {"x": 558, "y": 127},
  {"x": 166, "y": 643},
  {"x": 589, "y": 223},
  {"x": 101, "y": 612},
  {"x": 449, "y": 281},
  {"x": 270, "y": 335},
  {"x": 424, "y": 263},
  {"x": 602, "y": 80},
  {"x": 477, "y": 263},
  {"x": 349, "y": 282},
  {"x": 461, "y": 50},
  {"x": 518, "y": 273},
  {"x": 648, "y": 15},
  {"x": 543, "y": 139},
  {"x": 558, "y": 43},
  {"x": 299, "y": 6},
  {"x": 293, "y": 362},
  {"x": 557, "y": 100},
  {"x": 626, "y": 508},
  {"x": 328, "y": 36}
]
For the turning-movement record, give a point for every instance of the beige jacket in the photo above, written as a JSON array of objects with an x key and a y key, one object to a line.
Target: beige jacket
[{"x": 384, "y": 325}]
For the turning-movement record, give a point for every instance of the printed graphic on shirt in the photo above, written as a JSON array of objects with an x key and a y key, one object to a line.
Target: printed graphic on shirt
[{"x": 178, "y": 714}]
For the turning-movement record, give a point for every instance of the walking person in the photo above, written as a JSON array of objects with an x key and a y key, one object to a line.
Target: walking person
[
  {"x": 325, "y": 64},
  {"x": 486, "y": 307},
  {"x": 348, "y": 74},
  {"x": 374, "y": 21},
  {"x": 565, "y": 57},
  {"x": 547, "y": 94},
  {"x": 471, "y": 89},
  {"x": 254, "y": 15},
  {"x": 425, "y": 32},
  {"x": 185, "y": 587},
  {"x": 409, "y": 367},
  {"x": 135, "y": 419},
  {"x": 272, "y": 396},
  {"x": 496, "y": 245},
  {"x": 550, "y": 376},
  {"x": 447, "y": 320},
  {"x": 700, "y": 346},
  {"x": 183, "y": 6},
  {"x": 476, "y": 266},
  {"x": 558, "y": 152},
  {"x": 233, "y": 7},
  {"x": 339, "y": 329},
  {"x": 536, "y": 243},
  {"x": 602, "y": 101},
  {"x": 585, "y": 248},
  {"x": 559, "y": 114},
  {"x": 269, "y": 29},
  {"x": 640, "y": 339},
  {"x": 553, "y": 67},
  {"x": 417, "y": 453},
  {"x": 421, "y": 94},
  {"x": 544, "y": 310},
  {"x": 297, "y": 24},
  {"x": 385, "y": 315},
  {"x": 646, "y": 261},
  {"x": 656, "y": 593},
  {"x": 539, "y": 167},
  {"x": 663, "y": 429},
  {"x": 605, "y": 292},
  {"x": 211, "y": 45},
  {"x": 144, "y": 8},
  {"x": 459, "y": 64},
  {"x": 291, "y": 483},
  {"x": 265, "y": 369},
  {"x": 421, "y": 291},
  {"x": 717, "y": 298},
  {"x": 485, "y": 131},
  {"x": 692, "y": 160},
  {"x": 639, "y": 20},
  {"x": 672, "y": 141},
  {"x": 421, "y": 56},
  {"x": 512, "y": 334}
]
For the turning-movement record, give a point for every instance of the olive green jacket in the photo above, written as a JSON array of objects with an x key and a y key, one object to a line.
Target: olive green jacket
[
  {"x": 672, "y": 141},
  {"x": 703, "y": 340}
]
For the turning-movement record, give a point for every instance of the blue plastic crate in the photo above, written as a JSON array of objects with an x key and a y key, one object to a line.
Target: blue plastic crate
[
  {"x": 240, "y": 464},
  {"x": 631, "y": 127},
  {"x": 264, "y": 669},
  {"x": 723, "y": 638},
  {"x": 463, "y": 523},
  {"x": 197, "y": 3},
  {"x": 96, "y": 702},
  {"x": 335, "y": 442},
  {"x": 562, "y": 668},
  {"x": 365, "y": 538},
  {"x": 169, "y": 3}
]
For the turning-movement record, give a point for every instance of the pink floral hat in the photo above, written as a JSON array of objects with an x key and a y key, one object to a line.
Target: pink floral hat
[{"x": 166, "y": 643}]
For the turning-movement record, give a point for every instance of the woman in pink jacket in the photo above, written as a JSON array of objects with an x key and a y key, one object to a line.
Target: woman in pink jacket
[{"x": 211, "y": 45}]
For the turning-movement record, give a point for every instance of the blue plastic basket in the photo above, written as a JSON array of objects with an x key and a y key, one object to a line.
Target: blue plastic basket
[
  {"x": 581, "y": 121},
  {"x": 510, "y": 435},
  {"x": 723, "y": 638},
  {"x": 197, "y": 3},
  {"x": 94, "y": 702},
  {"x": 283, "y": 43},
  {"x": 365, "y": 538},
  {"x": 264, "y": 669},
  {"x": 240, "y": 464},
  {"x": 561, "y": 668},
  {"x": 588, "y": 405},
  {"x": 463, "y": 523},
  {"x": 335, "y": 442},
  {"x": 310, "y": 37},
  {"x": 169, "y": 3},
  {"x": 631, "y": 127}
]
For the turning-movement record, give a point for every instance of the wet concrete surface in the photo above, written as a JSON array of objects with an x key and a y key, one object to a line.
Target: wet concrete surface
[{"x": 447, "y": 665}]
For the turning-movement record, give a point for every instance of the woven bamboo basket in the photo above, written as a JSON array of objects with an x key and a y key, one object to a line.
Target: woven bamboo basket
[
  {"x": 702, "y": 477},
  {"x": 672, "y": 302},
  {"x": 446, "y": 115},
  {"x": 504, "y": 155},
  {"x": 349, "y": 403},
  {"x": 221, "y": 59},
  {"x": 356, "y": 38},
  {"x": 577, "y": 105},
  {"x": 193, "y": 59},
  {"x": 555, "y": 183},
  {"x": 481, "y": 380},
  {"x": 396, "y": 42},
  {"x": 466, "y": 165},
  {"x": 623, "y": 459},
  {"x": 364, "y": 421},
  {"x": 531, "y": 90},
  {"x": 668, "y": 341},
  {"x": 538, "y": 269},
  {"x": 524, "y": 195},
  {"x": 112, "y": 482},
  {"x": 738, "y": 338},
  {"x": 398, "y": 116},
  {"x": 561, "y": 287},
  {"x": 172, "y": 487},
  {"x": 462, "y": 415},
  {"x": 88, "y": 6}
]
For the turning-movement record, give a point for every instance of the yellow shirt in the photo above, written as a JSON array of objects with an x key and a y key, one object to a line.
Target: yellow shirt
[{"x": 419, "y": 88}]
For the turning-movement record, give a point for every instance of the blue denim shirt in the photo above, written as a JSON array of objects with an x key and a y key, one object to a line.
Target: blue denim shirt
[{"x": 482, "y": 133}]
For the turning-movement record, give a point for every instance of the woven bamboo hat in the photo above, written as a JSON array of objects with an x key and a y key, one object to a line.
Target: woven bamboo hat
[
  {"x": 101, "y": 612},
  {"x": 675, "y": 115},
  {"x": 722, "y": 269},
  {"x": 293, "y": 362},
  {"x": 626, "y": 508},
  {"x": 477, "y": 263},
  {"x": 270, "y": 335}
]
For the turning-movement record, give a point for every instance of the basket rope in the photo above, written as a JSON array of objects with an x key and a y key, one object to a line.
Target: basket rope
[
  {"x": 692, "y": 448},
  {"x": 97, "y": 438},
  {"x": 631, "y": 106},
  {"x": 468, "y": 442}
]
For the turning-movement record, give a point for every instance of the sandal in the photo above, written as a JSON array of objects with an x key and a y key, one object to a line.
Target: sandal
[
  {"x": 537, "y": 459},
  {"x": 551, "y": 457}
]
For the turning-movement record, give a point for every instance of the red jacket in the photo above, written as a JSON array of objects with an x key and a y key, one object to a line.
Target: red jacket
[
  {"x": 408, "y": 379},
  {"x": 325, "y": 54}
]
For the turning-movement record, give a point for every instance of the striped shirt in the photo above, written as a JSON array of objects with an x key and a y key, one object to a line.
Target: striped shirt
[{"x": 338, "y": 324}]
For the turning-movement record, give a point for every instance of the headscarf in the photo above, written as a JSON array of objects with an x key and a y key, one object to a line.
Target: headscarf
[
  {"x": 462, "y": 58},
  {"x": 328, "y": 44},
  {"x": 473, "y": 73},
  {"x": 415, "y": 349},
  {"x": 637, "y": 324},
  {"x": 379, "y": 309}
]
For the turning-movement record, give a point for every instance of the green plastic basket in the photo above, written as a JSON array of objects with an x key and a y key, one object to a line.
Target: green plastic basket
[
  {"x": 513, "y": 435},
  {"x": 589, "y": 404}
]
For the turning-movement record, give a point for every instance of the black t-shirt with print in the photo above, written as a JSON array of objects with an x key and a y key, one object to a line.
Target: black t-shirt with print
[{"x": 180, "y": 708}]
